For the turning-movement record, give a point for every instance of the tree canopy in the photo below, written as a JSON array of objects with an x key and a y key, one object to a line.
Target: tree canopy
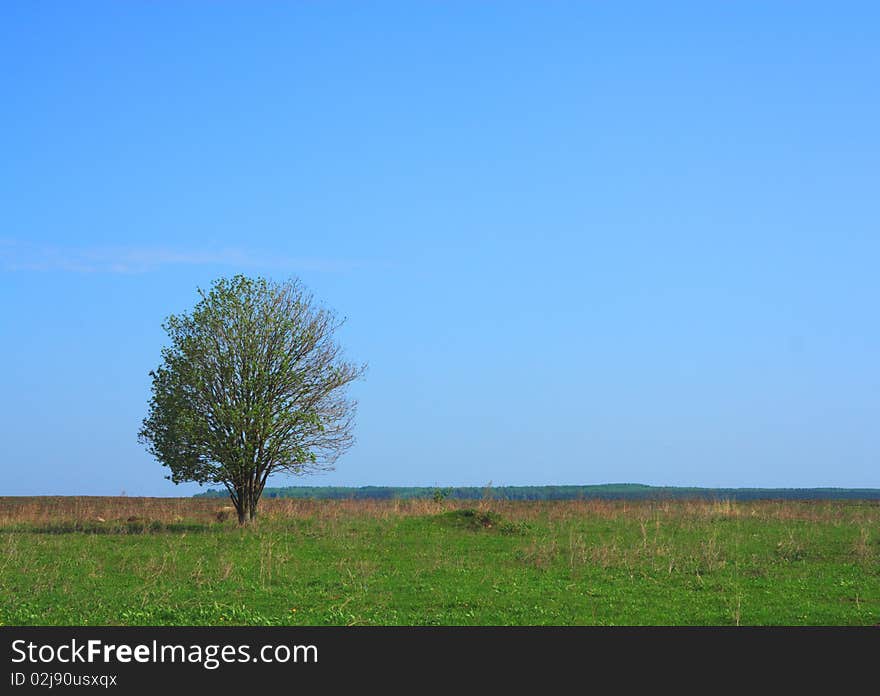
[{"x": 253, "y": 383}]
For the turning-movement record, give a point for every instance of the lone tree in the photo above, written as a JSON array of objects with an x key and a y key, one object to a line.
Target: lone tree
[{"x": 252, "y": 384}]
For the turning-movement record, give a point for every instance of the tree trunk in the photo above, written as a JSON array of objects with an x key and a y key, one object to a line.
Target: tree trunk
[
  {"x": 246, "y": 507},
  {"x": 243, "y": 514}
]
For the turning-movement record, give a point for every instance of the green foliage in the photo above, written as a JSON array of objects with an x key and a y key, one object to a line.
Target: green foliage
[{"x": 252, "y": 384}]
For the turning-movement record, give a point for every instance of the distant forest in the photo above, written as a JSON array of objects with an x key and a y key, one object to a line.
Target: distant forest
[{"x": 612, "y": 491}]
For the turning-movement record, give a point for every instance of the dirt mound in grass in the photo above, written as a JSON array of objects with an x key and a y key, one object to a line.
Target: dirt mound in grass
[{"x": 481, "y": 520}]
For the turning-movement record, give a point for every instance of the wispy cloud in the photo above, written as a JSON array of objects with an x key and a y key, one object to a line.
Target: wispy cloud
[{"x": 23, "y": 256}]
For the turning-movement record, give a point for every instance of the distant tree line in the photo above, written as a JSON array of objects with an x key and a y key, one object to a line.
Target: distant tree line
[{"x": 625, "y": 491}]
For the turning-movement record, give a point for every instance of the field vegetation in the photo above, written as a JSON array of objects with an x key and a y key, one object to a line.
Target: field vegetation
[{"x": 154, "y": 561}]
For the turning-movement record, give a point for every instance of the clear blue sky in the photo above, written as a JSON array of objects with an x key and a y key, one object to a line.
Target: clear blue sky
[{"x": 576, "y": 242}]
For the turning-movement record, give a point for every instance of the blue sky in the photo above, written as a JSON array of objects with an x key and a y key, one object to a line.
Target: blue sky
[{"x": 575, "y": 242}]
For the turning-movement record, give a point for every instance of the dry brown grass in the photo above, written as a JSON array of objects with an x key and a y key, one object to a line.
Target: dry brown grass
[
  {"x": 62, "y": 509},
  {"x": 648, "y": 514}
]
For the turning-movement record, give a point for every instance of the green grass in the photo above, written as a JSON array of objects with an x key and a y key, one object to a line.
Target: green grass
[{"x": 545, "y": 563}]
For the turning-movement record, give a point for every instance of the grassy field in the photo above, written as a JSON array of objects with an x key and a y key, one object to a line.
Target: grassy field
[{"x": 148, "y": 561}]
